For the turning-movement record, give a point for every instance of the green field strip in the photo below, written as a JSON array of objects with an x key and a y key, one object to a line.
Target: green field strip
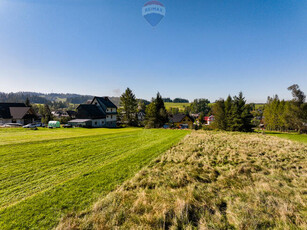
[
  {"x": 51, "y": 168},
  {"x": 20, "y": 135},
  {"x": 43, "y": 209}
]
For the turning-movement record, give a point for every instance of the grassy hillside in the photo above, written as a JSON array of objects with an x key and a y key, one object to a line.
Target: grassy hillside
[
  {"x": 180, "y": 106},
  {"x": 46, "y": 174},
  {"x": 211, "y": 180}
]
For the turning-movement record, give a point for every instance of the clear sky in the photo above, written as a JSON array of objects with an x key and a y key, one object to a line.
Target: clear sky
[{"x": 201, "y": 49}]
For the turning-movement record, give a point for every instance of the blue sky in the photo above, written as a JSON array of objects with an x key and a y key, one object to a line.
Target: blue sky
[{"x": 201, "y": 49}]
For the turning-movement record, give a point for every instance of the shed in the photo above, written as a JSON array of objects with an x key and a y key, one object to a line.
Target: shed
[{"x": 54, "y": 124}]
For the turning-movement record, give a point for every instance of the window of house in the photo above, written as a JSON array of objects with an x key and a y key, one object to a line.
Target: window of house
[
  {"x": 95, "y": 122},
  {"x": 111, "y": 116}
]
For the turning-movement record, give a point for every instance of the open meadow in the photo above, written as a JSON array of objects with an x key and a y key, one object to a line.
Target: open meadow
[
  {"x": 46, "y": 174},
  {"x": 210, "y": 180},
  {"x": 180, "y": 106}
]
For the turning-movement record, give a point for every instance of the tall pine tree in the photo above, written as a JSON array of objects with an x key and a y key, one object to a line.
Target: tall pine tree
[
  {"x": 219, "y": 115},
  {"x": 156, "y": 115},
  {"x": 27, "y": 102},
  {"x": 128, "y": 103}
]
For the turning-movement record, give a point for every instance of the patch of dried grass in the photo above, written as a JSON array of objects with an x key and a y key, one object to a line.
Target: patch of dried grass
[{"x": 210, "y": 181}]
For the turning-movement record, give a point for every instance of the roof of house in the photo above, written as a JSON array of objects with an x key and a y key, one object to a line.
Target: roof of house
[
  {"x": 92, "y": 111},
  {"x": 106, "y": 101},
  {"x": 71, "y": 113},
  {"x": 179, "y": 117},
  {"x": 19, "y": 112},
  {"x": 13, "y": 110}
]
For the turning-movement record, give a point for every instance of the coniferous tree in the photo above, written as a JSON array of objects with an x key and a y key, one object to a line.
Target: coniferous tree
[
  {"x": 162, "y": 116},
  {"x": 156, "y": 115},
  {"x": 128, "y": 103},
  {"x": 228, "y": 115},
  {"x": 27, "y": 102},
  {"x": 219, "y": 115},
  {"x": 233, "y": 114},
  {"x": 151, "y": 115},
  {"x": 141, "y": 106}
]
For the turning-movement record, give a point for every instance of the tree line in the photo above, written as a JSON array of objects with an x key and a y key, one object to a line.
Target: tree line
[
  {"x": 284, "y": 115},
  {"x": 130, "y": 106},
  {"x": 156, "y": 114},
  {"x": 233, "y": 114},
  {"x": 176, "y": 100}
]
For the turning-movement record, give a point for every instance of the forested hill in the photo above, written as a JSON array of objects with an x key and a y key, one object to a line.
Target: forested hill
[{"x": 42, "y": 98}]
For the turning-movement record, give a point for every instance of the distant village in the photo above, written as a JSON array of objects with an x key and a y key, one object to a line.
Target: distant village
[
  {"x": 230, "y": 114},
  {"x": 100, "y": 112}
]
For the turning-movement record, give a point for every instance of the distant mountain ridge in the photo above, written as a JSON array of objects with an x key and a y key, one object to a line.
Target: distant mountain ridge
[{"x": 43, "y": 98}]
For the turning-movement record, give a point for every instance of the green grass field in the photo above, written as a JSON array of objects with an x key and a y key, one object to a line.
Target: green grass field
[
  {"x": 258, "y": 106},
  {"x": 290, "y": 136},
  {"x": 180, "y": 106},
  {"x": 47, "y": 174}
]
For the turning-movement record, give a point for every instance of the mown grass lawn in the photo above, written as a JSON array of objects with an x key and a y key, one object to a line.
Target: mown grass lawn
[{"x": 46, "y": 174}]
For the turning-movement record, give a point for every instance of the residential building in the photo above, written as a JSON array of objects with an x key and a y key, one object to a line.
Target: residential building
[
  {"x": 100, "y": 112},
  {"x": 181, "y": 121},
  {"x": 16, "y": 113},
  {"x": 209, "y": 120}
]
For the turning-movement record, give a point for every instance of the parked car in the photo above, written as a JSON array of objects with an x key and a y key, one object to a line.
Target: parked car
[
  {"x": 30, "y": 126},
  {"x": 34, "y": 125},
  {"x": 40, "y": 125},
  {"x": 12, "y": 125}
]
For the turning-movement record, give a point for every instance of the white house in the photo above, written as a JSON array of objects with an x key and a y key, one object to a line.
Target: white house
[{"x": 100, "y": 112}]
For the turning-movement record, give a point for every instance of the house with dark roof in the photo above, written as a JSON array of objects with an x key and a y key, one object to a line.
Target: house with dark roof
[
  {"x": 100, "y": 112},
  {"x": 181, "y": 120},
  {"x": 16, "y": 113}
]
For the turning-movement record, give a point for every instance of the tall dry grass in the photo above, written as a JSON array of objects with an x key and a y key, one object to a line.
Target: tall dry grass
[{"x": 210, "y": 181}]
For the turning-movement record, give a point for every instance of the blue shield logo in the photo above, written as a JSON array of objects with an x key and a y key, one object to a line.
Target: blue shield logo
[{"x": 153, "y": 12}]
